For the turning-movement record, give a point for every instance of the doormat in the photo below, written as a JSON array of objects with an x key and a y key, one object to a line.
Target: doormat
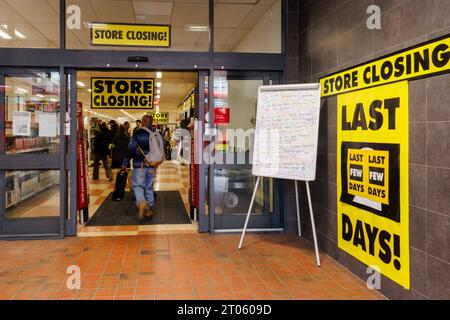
[{"x": 168, "y": 209}]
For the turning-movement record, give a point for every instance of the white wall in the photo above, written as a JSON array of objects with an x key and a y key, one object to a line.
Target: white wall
[{"x": 265, "y": 36}]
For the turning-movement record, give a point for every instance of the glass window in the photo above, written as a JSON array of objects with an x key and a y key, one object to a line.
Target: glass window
[
  {"x": 32, "y": 194},
  {"x": 248, "y": 26},
  {"x": 188, "y": 20},
  {"x": 32, "y": 113},
  {"x": 29, "y": 23}
]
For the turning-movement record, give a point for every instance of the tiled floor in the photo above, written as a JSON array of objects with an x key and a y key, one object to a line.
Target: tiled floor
[
  {"x": 174, "y": 266},
  {"x": 170, "y": 176}
]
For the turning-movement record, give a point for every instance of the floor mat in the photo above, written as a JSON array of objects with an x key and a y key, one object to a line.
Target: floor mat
[{"x": 168, "y": 209}]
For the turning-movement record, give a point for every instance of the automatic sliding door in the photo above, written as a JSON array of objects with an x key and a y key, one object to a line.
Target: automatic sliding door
[
  {"x": 232, "y": 185},
  {"x": 30, "y": 153}
]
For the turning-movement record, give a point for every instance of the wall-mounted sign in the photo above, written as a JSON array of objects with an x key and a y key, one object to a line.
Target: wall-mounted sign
[
  {"x": 160, "y": 117},
  {"x": 373, "y": 153},
  {"x": 221, "y": 115},
  {"x": 48, "y": 89},
  {"x": 122, "y": 93},
  {"x": 373, "y": 178},
  {"x": 424, "y": 60},
  {"x": 142, "y": 35}
]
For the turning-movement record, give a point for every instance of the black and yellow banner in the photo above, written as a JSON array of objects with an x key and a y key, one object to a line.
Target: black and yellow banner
[
  {"x": 142, "y": 35},
  {"x": 424, "y": 60},
  {"x": 160, "y": 117},
  {"x": 122, "y": 93},
  {"x": 373, "y": 178}
]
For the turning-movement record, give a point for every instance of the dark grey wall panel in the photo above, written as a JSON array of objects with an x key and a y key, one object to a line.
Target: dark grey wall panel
[{"x": 332, "y": 35}]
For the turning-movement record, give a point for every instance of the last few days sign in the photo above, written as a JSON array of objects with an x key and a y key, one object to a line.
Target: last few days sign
[
  {"x": 142, "y": 35},
  {"x": 372, "y": 178}
]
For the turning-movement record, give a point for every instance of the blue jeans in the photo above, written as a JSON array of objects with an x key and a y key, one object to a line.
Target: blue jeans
[{"x": 143, "y": 179}]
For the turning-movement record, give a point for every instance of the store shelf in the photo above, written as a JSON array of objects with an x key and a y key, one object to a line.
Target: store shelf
[
  {"x": 21, "y": 151},
  {"x": 31, "y": 194}
]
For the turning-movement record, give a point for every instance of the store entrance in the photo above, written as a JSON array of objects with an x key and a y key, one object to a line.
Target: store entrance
[{"x": 112, "y": 106}]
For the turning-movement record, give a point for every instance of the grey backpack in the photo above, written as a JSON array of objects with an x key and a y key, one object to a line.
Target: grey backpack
[{"x": 157, "y": 154}]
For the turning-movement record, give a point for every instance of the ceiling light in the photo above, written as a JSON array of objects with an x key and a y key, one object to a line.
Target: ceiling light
[
  {"x": 158, "y": 84},
  {"x": 158, "y": 91},
  {"x": 4, "y": 35},
  {"x": 196, "y": 28},
  {"x": 81, "y": 84},
  {"x": 21, "y": 90},
  {"x": 159, "y": 74},
  {"x": 19, "y": 34},
  {"x": 158, "y": 96},
  {"x": 90, "y": 90}
]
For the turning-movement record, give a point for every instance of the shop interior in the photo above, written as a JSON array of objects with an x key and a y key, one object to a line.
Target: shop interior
[
  {"x": 35, "y": 193},
  {"x": 174, "y": 105}
]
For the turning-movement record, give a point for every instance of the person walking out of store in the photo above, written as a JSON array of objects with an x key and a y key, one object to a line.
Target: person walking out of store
[
  {"x": 101, "y": 149},
  {"x": 143, "y": 172},
  {"x": 120, "y": 143}
]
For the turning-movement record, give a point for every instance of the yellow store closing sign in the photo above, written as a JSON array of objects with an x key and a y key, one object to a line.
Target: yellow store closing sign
[
  {"x": 160, "y": 117},
  {"x": 373, "y": 177},
  {"x": 430, "y": 58},
  {"x": 111, "y": 34},
  {"x": 122, "y": 93}
]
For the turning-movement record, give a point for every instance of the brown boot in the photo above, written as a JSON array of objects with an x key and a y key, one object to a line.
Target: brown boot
[
  {"x": 149, "y": 213},
  {"x": 142, "y": 209}
]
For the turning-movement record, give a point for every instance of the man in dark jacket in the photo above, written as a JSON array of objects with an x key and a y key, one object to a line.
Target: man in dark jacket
[
  {"x": 101, "y": 149},
  {"x": 143, "y": 175}
]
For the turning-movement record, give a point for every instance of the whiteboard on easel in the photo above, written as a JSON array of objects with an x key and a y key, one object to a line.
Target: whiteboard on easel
[{"x": 287, "y": 132}]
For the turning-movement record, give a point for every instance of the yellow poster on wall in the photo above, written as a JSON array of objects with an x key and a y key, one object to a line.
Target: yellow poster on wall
[
  {"x": 373, "y": 178},
  {"x": 424, "y": 60},
  {"x": 122, "y": 93},
  {"x": 142, "y": 35},
  {"x": 160, "y": 117}
]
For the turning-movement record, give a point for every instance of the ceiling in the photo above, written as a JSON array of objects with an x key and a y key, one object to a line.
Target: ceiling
[{"x": 233, "y": 20}]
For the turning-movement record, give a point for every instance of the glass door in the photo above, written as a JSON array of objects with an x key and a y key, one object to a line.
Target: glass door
[
  {"x": 230, "y": 181},
  {"x": 32, "y": 154}
]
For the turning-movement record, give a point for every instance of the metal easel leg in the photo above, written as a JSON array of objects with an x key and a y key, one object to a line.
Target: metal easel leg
[
  {"x": 298, "y": 209},
  {"x": 316, "y": 247},
  {"x": 249, "y": 213}
]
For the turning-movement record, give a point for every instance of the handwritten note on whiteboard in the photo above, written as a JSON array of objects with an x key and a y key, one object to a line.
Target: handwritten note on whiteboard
[{"x": 286, "y": 134}]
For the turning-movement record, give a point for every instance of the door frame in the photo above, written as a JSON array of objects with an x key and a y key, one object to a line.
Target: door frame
[
  {"x": 45, "y": 227},
  {"x": 268, "y": 78}
]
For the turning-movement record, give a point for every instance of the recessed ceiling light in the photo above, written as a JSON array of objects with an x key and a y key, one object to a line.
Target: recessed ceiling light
[
  {"x": 196, "y": 28},
  {"x": 158, "y": 84},
  {"x": 158, "y": 96},
  {"x": 159, "y": 74},
  {"x": 81, "y": 84},
  {"x": 4, "y": 35},
  {"x": 158, "y": 91},
  {"x": 19, "y": 34},
  {"x": 90, "y": 90}
]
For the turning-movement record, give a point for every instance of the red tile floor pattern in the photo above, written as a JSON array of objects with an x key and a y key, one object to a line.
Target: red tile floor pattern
[{"x": 175, "y": 266}]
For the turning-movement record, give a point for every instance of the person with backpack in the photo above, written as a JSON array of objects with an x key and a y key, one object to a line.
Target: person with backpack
[{"x": 146, "y": 149}]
